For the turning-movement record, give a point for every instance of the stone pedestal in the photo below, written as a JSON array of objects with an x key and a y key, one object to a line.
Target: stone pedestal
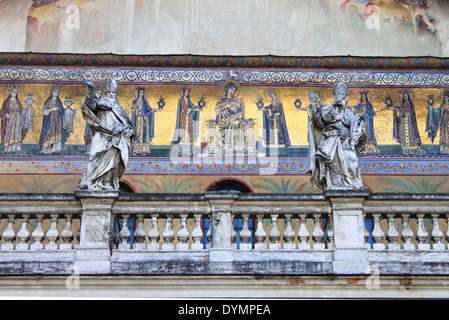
[
  {"x": 92, "y": 255},
  {"x": 350, "y": 251},
  {"x": 221, "y": 224}
]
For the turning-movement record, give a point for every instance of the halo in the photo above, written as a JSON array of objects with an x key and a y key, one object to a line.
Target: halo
[
  {"x": 406, "y": 91},
  {"x": 138, "y": 88},
  {"x": 320, "y": 91},
  {"x": 223, "y": 89},
  {"x": 182, "y": 88},
  {"x": 354, "y": 4},
  {"x": 53, "y": 85},
  {"x": 368, "y": 93},
  {"x": 267, "y": 90},
  {"x": 443, "y": 93}
]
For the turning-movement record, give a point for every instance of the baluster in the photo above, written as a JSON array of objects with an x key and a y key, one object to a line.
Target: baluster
[
  {"x": 197, "y": 234},
  {"x": 52, "y": 234},
  {"x": 183, "y": 234},
  {"x": 153, "y": 234},
  {"x": 303, "y": 233},
  {"x": 168, "y": 234},
  {"x": 235, "y": 221},
  {"x": 124, "y": 234},
  {"x": 378, "y": 233},
  {"x": 422, "y": 233},
  {"x": 260, "y": 234},
  {"x": 366, "y": 233},
  {"x": 318, "y": 234},
  {"x": 437, "y": 234},
  {"x": 407, "y": 233},
  {"x": 38, "y": 234},
  {"x": 392, "y": 233},
  {"x": 330, "y": 231},
  {"x": 67, "y": 234},
  {"x": 139, "y": 233},
  {"x": 9, "y": 234},
  {"x": 245, "y": 234},
  {"x": 23, "y": 234},
  {"x": 209, "y": 232},
  {"x": 275, "y": 234},
  {"x": 289, "y": 233}
]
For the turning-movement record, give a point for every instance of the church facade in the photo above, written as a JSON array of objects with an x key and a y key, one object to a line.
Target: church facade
[{"x": 221, "y": 107}]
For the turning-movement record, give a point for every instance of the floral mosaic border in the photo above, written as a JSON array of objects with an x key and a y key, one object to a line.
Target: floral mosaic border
[
  {"x": 175, "y": 76},
  {"x": 298, "y": 166}
]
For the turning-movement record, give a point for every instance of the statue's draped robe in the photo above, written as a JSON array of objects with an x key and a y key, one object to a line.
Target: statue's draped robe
[
  {"x": 333, "y": 157},
  {"x": 109, "y": 151}
]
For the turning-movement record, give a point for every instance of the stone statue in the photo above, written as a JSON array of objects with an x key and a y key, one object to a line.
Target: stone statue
[
  {"x": 112, "y": 137},
  {"x": 335, "y": 138}
]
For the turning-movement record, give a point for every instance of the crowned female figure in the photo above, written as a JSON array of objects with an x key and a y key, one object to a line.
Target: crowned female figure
[
  {"x": 405, "y": 128},
  {"x": 143, "y": 121},
  {"x": 336, "y": 137},
  {"x": 187, "y": 122},
  {"x": 53, "y": 134},
  {"x": 365, "y": 106},
  {"x": 275, "y": 127},
  {"x": 12, "y": 131}
]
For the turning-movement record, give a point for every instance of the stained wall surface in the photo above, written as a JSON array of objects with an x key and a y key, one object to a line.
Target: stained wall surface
[{"x": 227, "y": 27}]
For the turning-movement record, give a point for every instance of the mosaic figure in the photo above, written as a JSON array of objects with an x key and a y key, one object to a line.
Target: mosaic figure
[
  {"x": 335, "y": 138},
  {"x": 274, "y": 126},
  {"x": 405, "y": 128},
  {"x": 53, "y": 135},
  {"x": 12, "y": 130},
  {"x": 438, "y": 120},
  {"x": 365, "y": 107},
  {"x": 69, "y": 115},
  {"x": 28, "y": 113},
  {"x": 187, "y": 122},
  {"x": 112, "y": 137},
  {"x": 143, "y": 122},
  {"x": 231, "y": 121}
]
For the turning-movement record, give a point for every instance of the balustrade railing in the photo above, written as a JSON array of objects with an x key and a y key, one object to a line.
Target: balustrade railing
[
  {"x": 317, "y": 228},
  {"x": 39, "y": 231},
  {"x": 155, "y": 231},
  {"x": 407, "y": 231},
  {"x": 289, "y": 231}
]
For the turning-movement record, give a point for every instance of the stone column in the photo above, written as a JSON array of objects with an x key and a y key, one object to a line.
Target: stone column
[
  {"x": 350, "y": 252},
  {"x": 92, "y": 255},
  {"x": 221, "y": 225}
]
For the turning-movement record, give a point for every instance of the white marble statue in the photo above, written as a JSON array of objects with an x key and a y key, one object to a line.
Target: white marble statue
[
  {"x": 112, "y": 138},
  {"x": 335, "y": 138}
]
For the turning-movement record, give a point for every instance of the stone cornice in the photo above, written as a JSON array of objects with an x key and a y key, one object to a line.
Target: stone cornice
[{"x": 193, "y": 61}]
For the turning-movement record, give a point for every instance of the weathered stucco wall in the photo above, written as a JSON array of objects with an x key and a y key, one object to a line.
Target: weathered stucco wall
[{"x": 227, "y": 27}]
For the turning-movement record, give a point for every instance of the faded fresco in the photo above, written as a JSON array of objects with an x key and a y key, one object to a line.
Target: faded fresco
[
  {"x": 195, "y": 127},
  {"x": 289, "y": 27}
]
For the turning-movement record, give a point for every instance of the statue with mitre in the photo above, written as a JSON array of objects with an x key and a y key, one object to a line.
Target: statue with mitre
[
  {"x": 335, "y": 138},
  {"x": 112, "y": 137}
]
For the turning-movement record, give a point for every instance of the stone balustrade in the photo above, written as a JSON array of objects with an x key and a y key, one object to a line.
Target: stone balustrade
[{"x": 220, "y": 233}]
